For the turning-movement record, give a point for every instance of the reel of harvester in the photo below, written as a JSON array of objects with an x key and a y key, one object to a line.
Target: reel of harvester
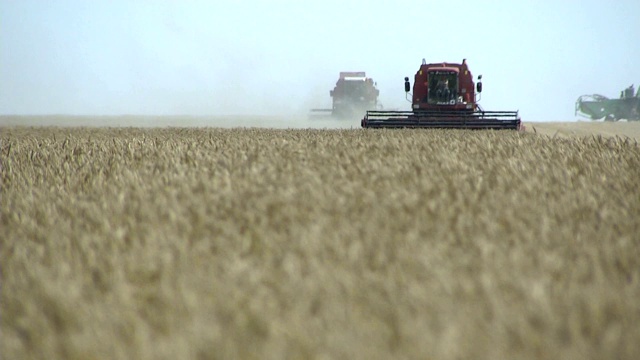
[{"x": 496, "y": 120}]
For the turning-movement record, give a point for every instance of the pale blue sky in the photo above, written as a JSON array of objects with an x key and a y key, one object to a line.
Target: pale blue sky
[{"x": 280, "y": 56}]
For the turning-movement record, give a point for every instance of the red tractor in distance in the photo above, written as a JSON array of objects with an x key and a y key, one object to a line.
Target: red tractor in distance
[
  {"x": 444, "y": 96},
  {"x": 353, "y": 94}
]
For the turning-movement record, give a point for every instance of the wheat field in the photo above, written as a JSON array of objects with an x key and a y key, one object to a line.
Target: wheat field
[{"x": 246, "y": 243}]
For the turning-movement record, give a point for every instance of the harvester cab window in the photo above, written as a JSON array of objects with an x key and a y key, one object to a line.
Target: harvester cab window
[
  {"x": 359, "y": 89},
  {"x": 443, "y": 87},
  {"x": 354, "y": 85}
]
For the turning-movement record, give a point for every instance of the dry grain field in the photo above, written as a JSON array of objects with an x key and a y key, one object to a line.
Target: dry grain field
[{"x": 247, "y": 243}]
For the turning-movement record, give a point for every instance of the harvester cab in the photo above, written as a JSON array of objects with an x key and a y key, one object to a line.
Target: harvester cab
[
  {"x": 444, "y": 96},
  {"x": 354, "y": 93}
]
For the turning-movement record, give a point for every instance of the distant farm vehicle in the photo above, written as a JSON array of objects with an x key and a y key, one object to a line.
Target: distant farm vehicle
[
  {"x": 596, "y": 107},
  {"x": 444, "y": 96},
  {"x": 353, "y": 94}
]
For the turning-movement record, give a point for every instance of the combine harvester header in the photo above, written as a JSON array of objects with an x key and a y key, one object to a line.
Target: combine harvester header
[{"x": 444, "y": 96}]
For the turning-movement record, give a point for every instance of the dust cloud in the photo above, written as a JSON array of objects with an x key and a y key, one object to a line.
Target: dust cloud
[
  {"x": 271, "y": 62},
  {"x": 220, "y": 121}
]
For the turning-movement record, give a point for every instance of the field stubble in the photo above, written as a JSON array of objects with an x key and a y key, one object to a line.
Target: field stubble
[{"x": 258, "y": 243}]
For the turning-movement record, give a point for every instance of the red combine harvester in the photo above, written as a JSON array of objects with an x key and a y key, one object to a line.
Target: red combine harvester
[
  {"x": 353, "y": 94},
  {"x": 444, "y": 96}
]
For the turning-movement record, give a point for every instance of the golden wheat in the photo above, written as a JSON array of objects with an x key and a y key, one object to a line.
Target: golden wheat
[{"x": 256, "y": 243}]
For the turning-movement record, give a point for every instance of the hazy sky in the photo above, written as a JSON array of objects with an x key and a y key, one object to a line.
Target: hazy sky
[{"x": 280, "y": 56}]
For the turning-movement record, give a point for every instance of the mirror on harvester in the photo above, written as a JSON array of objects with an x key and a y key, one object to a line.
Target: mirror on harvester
[
  {"x": 479, "y": 84},
  {"x": 407, "y": 86}
]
